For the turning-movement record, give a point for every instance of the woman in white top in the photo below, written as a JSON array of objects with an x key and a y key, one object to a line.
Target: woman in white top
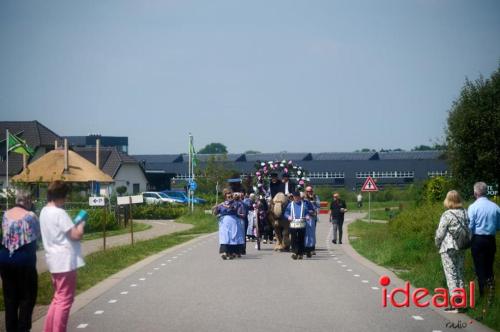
[{"x": 61, "y": 240}]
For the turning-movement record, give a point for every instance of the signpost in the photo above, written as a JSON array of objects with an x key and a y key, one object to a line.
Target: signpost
[
  {"x": 369, "y": 186},
  {"x": 129, "y": 200},
  {"x": 101, "y": 201}
]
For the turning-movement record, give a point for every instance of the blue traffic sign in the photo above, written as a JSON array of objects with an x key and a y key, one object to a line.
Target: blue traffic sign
[{"x": 193, "y": 185}]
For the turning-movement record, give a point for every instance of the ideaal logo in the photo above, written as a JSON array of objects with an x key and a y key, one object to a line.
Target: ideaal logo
[{"x": 440, "y": 299}]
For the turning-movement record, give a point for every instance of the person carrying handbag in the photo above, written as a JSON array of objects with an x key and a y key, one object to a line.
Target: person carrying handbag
[{"x": 450, "y": 241}]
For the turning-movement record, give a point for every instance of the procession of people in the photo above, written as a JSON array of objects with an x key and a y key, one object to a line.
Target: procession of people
[{"x": 244, "y": 215}]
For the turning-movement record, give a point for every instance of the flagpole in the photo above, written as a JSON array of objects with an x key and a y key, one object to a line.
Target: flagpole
[
  {"x": 7, "y": 168},
  {"x": 189, "y": 172},
  {"x": 191, "y": 149}
]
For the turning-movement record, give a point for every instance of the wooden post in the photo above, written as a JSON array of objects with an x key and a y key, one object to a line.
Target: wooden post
[
  {"x": 104, "y": 227},
  {"x": 131, "y": 221},
  {"x": 25, "y": 161}
]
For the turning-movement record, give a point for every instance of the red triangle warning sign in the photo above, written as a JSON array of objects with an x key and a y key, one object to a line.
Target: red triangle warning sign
[{"x": 369, "y": 185}]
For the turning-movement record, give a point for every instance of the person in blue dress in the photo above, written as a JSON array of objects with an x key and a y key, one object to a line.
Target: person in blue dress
[
  {"x": 310, "y": 239},
  {"x": 298, "y": 212},
  {"x": 229, "y": 224},
  {"x": 241, "y": 213}
]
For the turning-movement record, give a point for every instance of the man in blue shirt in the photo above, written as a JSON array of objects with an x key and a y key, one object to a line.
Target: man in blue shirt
[{"x": 484, "y": 217}]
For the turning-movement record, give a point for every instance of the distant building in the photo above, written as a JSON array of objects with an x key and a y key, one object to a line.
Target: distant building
[
  {"x": 348, "y": 170},
  {"x": 120, "y": 142},
  {"x": 40, "y": 138}
]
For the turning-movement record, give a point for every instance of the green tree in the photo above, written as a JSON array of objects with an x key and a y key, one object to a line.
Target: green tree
[
  {"x": 213, "y": 148},
  {"x": 473, "y": 133},
  {"x": 215, "y": 171},
  {"x": 252, "y": 152}
]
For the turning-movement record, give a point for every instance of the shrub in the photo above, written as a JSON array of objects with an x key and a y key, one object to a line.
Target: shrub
[
  {"x": 435, "y": 189},
  {"x": 158, "y": 211},
  {"x": 95, "y": 221}
]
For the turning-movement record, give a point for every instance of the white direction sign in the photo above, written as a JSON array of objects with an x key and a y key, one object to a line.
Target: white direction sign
[
  {"x": 97, "y": 201},
  {"x": 369, "y": 185},
  {"x": 124, "y": 200}
]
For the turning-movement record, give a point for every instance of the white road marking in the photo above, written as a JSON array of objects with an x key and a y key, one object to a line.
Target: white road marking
[
  {"x": 175, "y": 257},
  {"x": 169, "y": 260},
  {"x": 142, "y": 279},
  {"x": 375, "y": 288},
  {"x": 150, "y": 273},
  {"x": 112, "y": 301},
  {"x": 344, "y": 265},
  {"x": 340, "y": 262},
  {"x": 418, "y": 317},
  {"x": 349, "y": 270},
  {"x": 356, "y": 275},
  {"x": 156, "y": 268},
  {"x": 437, "y": 331},
  {"x": 163, "y": 264},
  {"x": 82, "y": 326},
  {"x": 99, "y": 312},
  {"x": 364, "y": 281},
  {"x": 133, "y": 285},
  {"x": 124, "y": 293}
]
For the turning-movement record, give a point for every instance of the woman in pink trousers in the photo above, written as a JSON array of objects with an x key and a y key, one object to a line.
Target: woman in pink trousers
[{"x": 61, "y": 240}]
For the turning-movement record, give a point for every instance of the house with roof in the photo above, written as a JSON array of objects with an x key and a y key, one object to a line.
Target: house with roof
[
  {"x": 337, "y": 169},
  {"x": 125, "y": 170},
  {"x": 40, "y": 138}
]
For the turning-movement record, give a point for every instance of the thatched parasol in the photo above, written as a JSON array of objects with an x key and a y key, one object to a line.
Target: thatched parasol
[{"x": 50, "y": 167}]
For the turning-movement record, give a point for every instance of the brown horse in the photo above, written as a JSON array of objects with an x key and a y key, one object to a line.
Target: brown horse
[{"x": 281, "y": 225}]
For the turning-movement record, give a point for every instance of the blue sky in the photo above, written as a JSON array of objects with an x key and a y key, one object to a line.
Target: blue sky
[{"x": 306, "y": 76}]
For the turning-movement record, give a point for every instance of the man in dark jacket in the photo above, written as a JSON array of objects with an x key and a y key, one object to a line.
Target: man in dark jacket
[
  {"x": 288, "y": 187},
  {"x": 275, "y": 186},
  {"x": 337, "y": 210}
]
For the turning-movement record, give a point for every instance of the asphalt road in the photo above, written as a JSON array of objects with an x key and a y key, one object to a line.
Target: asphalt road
[{"x": 192, "y": 289}]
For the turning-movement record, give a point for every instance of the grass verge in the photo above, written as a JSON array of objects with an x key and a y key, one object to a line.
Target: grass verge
[
  {"x": 413, "y": 259},
  {"x": 138, "y": 227},
  {"x": 102, "y": 264}
]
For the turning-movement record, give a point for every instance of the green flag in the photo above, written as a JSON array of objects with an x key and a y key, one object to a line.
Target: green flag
[
  {"x": 17, "y": 145},
  {"x": 193, "y": 153}
]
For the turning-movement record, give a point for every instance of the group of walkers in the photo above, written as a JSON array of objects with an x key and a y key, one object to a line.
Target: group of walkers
[
  {"x": 475, "y": 228},
  {"x": 61, "y": 240},
  {"x": 248, "y": 214}
]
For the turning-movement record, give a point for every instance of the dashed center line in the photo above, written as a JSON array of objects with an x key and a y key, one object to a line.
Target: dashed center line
[
  {"x": 142, "y": 279},
  {"x": 156, "y": 268},
  {"x": 133, "y": 285},
  {"x": 124, "y": 293},
  {"x": 364, "y": 281},
  {"x": 375, "y": 288},
  {"x": 349, "y": 270},
  {"x": 82, "y": 326},
  {"x": 356, "y": 275},
  {"x": 112, "y": 301},
  {"x": 99, "y": 312},
  {"x": 418, "y": 317}
]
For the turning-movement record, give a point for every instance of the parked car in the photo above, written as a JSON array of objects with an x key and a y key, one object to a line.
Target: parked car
[
  {"x": 154, "y": 197},
  {"x": 181, "y": 197}
]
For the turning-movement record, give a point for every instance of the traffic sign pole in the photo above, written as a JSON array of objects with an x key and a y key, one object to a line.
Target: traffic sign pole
[{"x": 369, "y": 206}]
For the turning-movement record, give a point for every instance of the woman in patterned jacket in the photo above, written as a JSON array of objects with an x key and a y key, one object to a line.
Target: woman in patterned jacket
[{"x": 452, "y": 257}]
